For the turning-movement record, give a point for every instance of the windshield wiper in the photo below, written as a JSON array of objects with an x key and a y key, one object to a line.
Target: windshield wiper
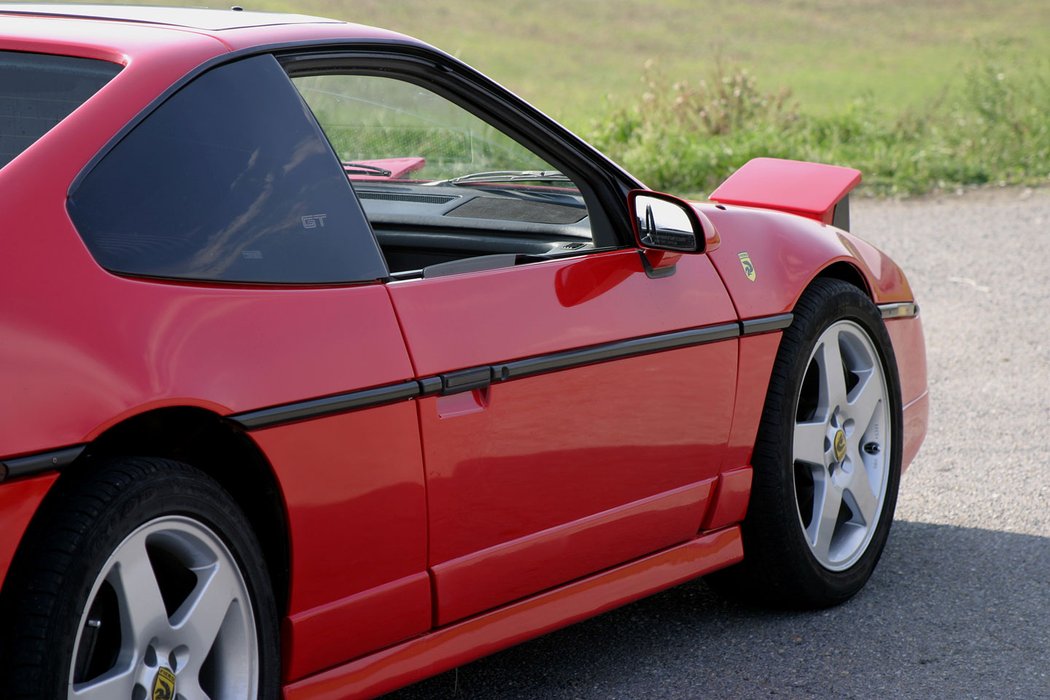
[
  {"x": 500, "y": 176},
  {"x": 352, "y": 168}
]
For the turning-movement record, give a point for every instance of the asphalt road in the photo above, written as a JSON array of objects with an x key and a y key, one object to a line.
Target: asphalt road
[{"x": 959, "y": 606}]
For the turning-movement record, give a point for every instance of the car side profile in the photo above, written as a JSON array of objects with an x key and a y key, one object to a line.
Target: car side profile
[{"x": 329, "y": 365}]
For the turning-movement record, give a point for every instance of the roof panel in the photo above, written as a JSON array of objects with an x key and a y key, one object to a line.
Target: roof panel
[{"x": 209, "y": 20}]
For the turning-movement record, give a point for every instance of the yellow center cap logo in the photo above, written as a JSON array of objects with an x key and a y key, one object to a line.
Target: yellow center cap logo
[
  {"x": 163, "y": 685},
  {"x": 840, "y": 446}
]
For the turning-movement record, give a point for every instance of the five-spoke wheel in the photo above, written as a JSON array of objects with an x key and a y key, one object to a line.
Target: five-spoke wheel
[
  {"x": 827, "y": 457},
  {"x": 170, "y": 610},
  {"x": 841, "y": 425},
  {"x": 141, "y": 578}
]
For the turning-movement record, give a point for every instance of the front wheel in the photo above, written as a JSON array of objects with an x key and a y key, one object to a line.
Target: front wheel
[
  {"x": 141, "y": 580},
  {"x": 827, "y": 458}
]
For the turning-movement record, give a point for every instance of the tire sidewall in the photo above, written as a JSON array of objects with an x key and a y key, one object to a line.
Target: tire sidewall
[
  {"x": 774, "y": 461},
  {"x": 164, "y": 489}
]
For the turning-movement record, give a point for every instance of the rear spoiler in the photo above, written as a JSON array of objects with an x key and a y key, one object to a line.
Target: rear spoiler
[{"x": 813, "y": 190}]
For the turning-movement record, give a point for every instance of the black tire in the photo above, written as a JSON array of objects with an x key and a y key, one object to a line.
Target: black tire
[
  {"x": 785, "y": 563},
  {"x": 96, "y": 532}
]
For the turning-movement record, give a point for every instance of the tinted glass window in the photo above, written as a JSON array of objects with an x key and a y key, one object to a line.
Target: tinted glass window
[
  {"x": 38, "y": 91},
  {"x": 440, "y": 184},
  {"x": 229, "y": 180}
]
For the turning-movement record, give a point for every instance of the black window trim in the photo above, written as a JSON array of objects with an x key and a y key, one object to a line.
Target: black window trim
[
  {"x": 486, "y": 100},
  {"x": 469, "y": 88}
]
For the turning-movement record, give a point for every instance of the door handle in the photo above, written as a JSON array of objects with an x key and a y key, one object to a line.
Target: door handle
[{"x": 466, "y": 380}]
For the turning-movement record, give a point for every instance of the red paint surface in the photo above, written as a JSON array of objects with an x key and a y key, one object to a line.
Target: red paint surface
[
  {"x": 910, "y": 349},
  {"x": 916, "y": 423},
  {"x": 909, "y": 346},
  {"x": 511, "y": 570},
  {"x": 787, "y": 253},
  {"x": 344, "y": 629},
  {"x": 353, "y": 487},
  {"x": 468, "y": 320},
  {"x": 81, "y": 349},
  {"x": 731, "y": 496},
  {"x": 18, "y": 502},
  {"x": 548, "y": 451},
  {"x": 398, "y": 167},
  {"x": 486, "y": 634},
  {"x": 806, "y": 189},
  {"x": 552, "y": 449},
  {"x": 757, "y": 354}
]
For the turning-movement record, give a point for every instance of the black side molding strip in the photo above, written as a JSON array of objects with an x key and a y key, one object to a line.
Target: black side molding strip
[
  {"x": 39, "y": 463},
  {"x": 613, "y": 351},
  {"x": 315, "y": 408},
  {"x": 482, "y": 376},
  {"x": 766, "y": 325}
]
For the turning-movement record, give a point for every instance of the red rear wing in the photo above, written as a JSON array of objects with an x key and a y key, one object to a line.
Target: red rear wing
[{"x": 811, "y": 190}]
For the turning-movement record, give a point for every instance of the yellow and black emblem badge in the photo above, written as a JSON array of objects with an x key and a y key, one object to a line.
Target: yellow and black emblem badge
[
  {"x": 749, "y": 267},
  {"x": 840, "y": 446},
  {"x": 163, "y": 685}
]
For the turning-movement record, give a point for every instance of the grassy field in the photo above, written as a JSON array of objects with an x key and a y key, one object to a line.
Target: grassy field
[
  {"x": 569, "y": 57},
  {"x": 919, "y": 94}
]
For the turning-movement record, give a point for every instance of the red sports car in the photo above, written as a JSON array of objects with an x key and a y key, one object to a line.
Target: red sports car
[{"x": 328, "y": 364}]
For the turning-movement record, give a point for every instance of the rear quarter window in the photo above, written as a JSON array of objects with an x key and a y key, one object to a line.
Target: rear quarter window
[
  {"x": 37, "y": 91},
  {"x": 229, "y": 180}
]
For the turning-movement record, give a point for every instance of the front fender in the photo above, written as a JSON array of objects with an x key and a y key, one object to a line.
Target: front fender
[{"x": 786, "y": 253}]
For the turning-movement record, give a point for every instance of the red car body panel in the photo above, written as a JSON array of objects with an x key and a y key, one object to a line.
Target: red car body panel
[
  {"x": 806, "y": 189},
  {"x": 358, "y": 533},
  {"x": 753, "y": 370},
  {"x": 909, "y": 347},
  {"x": 485, "y": 634},
  {"x": 425, "y": 532},
  {"x": 787, "y": 251},
  {"x": 552, "y": 306},
  {"x": 19, "y": 501},
  {"x": 501, "y": 510}
]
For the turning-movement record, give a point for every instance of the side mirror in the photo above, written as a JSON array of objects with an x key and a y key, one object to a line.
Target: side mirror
[{"x": 664, "y": 222}]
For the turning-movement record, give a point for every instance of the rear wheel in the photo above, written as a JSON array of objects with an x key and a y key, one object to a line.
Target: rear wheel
[
  {"x": 827, "y": 458},
  {"x": 142, "y": 580}
]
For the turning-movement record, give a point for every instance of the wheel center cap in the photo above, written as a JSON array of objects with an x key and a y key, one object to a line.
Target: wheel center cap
[
  {"x": 840, "y": 445},
  {"x": 163, "y": 685}
]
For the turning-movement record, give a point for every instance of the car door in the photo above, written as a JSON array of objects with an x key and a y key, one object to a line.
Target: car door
[{"x": 576, "y": 406}]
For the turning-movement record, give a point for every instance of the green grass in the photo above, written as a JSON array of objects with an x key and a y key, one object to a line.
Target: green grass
[
  {"x": 568, "y": 57},
  {"x": 906, "y": 91},
  {"x": 687, "y": 137}
]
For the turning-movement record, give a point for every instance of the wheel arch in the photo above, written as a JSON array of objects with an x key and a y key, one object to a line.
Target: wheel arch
[
  {"x": 846, "y": 272},
  {"x": 221, "y": 450}
]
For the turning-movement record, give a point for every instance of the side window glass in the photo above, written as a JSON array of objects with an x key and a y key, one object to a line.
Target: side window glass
[
  {"x": 440, "y": 185},
  {"x": 229, "y": 180},
  {"x": 37, "y": 91}
]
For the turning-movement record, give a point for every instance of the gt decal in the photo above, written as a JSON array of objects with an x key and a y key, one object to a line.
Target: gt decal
[
  {"x": 749, "y": 267},
  {"x": 163, "y": 685}
]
